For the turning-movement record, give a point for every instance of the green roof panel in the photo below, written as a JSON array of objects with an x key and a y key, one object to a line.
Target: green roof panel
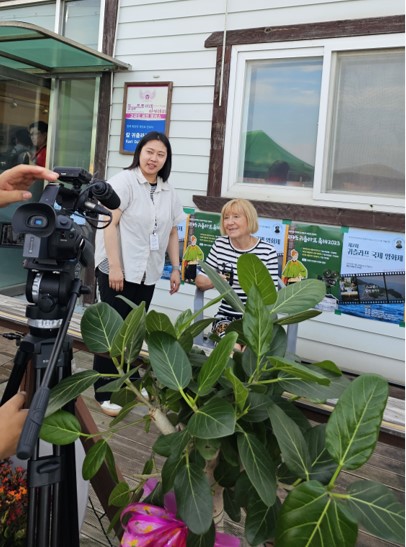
[{"x": 24, "y": 46}]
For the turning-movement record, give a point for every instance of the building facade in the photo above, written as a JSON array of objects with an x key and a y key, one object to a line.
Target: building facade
[{"x": 295, "y": 105}]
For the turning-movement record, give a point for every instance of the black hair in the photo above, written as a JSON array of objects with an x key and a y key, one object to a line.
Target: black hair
[
  {"x": 154, "y": 136},
  {"x": 40, "y": 125},
  {"x": 22, "y": 136}
]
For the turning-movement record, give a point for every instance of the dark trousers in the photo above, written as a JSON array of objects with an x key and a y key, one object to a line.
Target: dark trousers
[{"x": 135, "y": 292}]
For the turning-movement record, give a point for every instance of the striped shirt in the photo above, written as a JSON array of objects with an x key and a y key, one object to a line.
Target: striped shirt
[{"x": 223, "y": 258}]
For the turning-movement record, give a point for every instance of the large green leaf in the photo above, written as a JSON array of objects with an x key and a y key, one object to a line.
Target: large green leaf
[
  {"x": 257, "y": 404},
  {"x": 239, "y": 389},
  {"x": 296, "y": 371},
  {"x": 214, "y": 420},
  {"x": 69, "y": 388},
  {"x": 169, "y": 361},
  {"x": 165, "y": 445},
  {"x": 117, "y": 384},
  {"x": 261, "y": 520},
  {"x": 208, "y": 448},
  {"x": 313, "y": 391},
  {"x": 298, "y": 297},
  {"x": 223, "y": 287},
  {"x": 215, "y": 364},
  {"x": 98, "y": 326},
  {"x": 257, "y": 323},
  {"x": 61, "y": 428},
  {"x": 171, "y": 467},
  {"x": 183, "y": 320},
  {"x": 258, "y": 466},
  {"x": 353, "y": 427},
  {"x": 196, "y": 328},
  {"x": 323, "y": 465},
  {"x": 377, "y": 509},
  {"x": 310, "y": 518},
  {"x": 94, "y": 459},
  {"x": 128, "y": 340},
  {"x": 298, "y": 317},
  {"x": 252, "y": 271},
  {"x": 120, "y": 496},
  {"x": 291, "y": 442},
  {"x": 193, "y": 498},
  {"x": 156, "y": 321},
  {"x": 202, "y": 540},
  {"x": 278, "y": 341}
]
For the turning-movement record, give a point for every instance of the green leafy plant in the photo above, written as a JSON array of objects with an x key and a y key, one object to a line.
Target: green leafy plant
[{"x": 233, "y": 439}]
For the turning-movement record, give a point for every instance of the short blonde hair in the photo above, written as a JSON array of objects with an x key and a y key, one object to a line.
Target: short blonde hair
[{"x": 241, "y": 206}]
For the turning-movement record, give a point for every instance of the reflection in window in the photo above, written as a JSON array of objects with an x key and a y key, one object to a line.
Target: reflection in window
[
  {"x": 368, "y": 136},
  {"x": 82, "y": 22},
  {"x": 280, "y": 121}
]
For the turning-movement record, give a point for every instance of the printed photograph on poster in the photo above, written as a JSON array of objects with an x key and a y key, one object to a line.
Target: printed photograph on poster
[
  {"x": 314, "y": 252},
  {"x": 382, "y": 288},
  {"x": 146, "y": 107},
  {"x": 372, "y": 281},
  {"x": 202, "y": 230},
  {"x": 273, "y": 231}
]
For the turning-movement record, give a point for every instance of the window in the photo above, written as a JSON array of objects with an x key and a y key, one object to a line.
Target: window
[
  {"x": 317, "y": 121},
  {"x": 366, "y": 154},
  {"x": 279, "y": 129}
]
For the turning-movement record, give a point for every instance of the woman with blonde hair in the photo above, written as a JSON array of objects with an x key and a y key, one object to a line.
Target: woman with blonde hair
[{"x": 238, "y": 223}]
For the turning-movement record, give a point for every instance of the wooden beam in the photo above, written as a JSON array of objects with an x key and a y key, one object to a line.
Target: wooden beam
[{"x": 310, "y": 31}]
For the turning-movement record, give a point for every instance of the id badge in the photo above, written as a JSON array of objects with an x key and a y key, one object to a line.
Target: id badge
[{"x": 154, "y": 242}]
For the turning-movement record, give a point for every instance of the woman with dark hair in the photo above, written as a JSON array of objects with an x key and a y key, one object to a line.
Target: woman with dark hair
[
  {"x": 130, "y": 252},
  {"x": 39, "y": 135}
]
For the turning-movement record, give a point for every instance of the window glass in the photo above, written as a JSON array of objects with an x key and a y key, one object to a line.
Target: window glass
[
  {"x": 82, "y": 22},
  {"x": 367, "y": 144},
  {"x": 42, "y": 15},
  {"x": 280, "y": 121},
  {"x": 74, "y": 135}
]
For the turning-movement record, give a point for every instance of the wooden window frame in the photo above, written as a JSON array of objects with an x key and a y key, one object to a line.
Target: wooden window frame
[{"x": 310, "y": 31}]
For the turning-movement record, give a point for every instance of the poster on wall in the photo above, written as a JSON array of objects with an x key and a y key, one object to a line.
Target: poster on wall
[
  {"x": 372, "y": 282},
  {"x": 314, "y": 252},
  {"x": 146, "y": 107},
  {"x": 202, "y": 230},
  {"x": 198, "y": 233}
]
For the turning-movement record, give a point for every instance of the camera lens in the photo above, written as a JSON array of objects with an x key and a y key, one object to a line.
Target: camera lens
[{"x": 38, "y": 221}]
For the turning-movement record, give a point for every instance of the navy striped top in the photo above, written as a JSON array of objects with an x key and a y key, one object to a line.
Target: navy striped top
[{"x": 223, "y": 258}]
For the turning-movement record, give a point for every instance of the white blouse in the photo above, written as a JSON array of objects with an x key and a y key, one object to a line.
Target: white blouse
[{"x": 141, "y": 216}]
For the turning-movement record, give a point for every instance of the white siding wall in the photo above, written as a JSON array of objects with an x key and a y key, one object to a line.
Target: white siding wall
[{"x": 163, "y": 40}]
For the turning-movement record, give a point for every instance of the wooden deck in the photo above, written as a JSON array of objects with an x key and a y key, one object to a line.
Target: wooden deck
[{"x": 132, "y": 445}]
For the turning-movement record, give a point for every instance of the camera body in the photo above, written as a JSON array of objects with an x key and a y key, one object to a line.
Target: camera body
[{"x": 55, "y": 245}]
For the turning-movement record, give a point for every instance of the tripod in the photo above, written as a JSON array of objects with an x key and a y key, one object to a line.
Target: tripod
[{"x": 52, "y": 500}]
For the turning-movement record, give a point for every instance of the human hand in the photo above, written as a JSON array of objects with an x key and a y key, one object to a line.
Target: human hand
[
  {"x": 14, "y": 182},
  {"x": 12, "y": 418},
  {"x": 116, "y": 278},
  {"x": 174, "y": 282}
]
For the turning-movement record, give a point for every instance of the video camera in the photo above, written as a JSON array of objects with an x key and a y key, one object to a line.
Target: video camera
[{"x": 54, "y": 244}]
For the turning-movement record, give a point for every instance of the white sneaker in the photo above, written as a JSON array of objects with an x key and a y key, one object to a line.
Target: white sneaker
[{"x": 110, "y": 409}]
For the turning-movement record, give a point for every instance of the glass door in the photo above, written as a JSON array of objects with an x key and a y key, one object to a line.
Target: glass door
[{"x": 24, "y": 109}]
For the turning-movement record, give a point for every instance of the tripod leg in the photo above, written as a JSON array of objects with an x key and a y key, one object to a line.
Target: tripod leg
[{"x": 20, "y": 366}]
